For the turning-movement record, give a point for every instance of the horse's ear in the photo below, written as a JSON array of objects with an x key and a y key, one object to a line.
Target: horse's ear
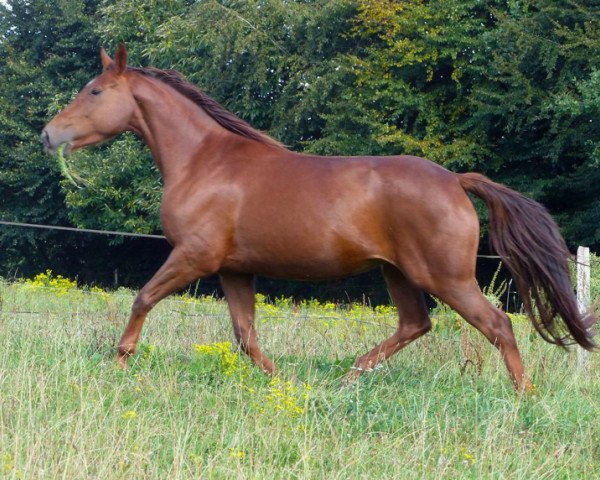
[
  {"x": 106, "y": 60},
  {"x": 121, "y": 59}
]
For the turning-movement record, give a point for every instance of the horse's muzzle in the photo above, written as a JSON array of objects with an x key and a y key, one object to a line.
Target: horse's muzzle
[{"x": 46, "y": 141}]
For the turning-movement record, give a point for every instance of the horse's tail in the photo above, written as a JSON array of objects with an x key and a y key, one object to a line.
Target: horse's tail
[{"x": 527, "y": 239}]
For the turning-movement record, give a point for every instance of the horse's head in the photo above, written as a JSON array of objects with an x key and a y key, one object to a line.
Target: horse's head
[{"x": 101, "y": 110}]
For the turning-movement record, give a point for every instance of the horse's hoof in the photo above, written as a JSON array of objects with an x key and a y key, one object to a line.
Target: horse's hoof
[
  {"x": 352, "y": 376},
  {"x": 269, "y": 370},
  {"x": 122, "y": 361}
]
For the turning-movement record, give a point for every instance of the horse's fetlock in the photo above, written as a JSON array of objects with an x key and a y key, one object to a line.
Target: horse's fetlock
[
  {"x": 243, "y": 339},
  {"x": 126, "y": 350}
]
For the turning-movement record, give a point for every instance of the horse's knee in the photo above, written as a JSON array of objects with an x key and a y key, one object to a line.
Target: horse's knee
[
  {"x": 418, "y": 326},
  {"x": 142, "y": 304},
  {"x": 425, "y": 326}
]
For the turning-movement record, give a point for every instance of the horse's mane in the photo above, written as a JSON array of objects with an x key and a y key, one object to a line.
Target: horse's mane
[{"x": 215, "y": 110}]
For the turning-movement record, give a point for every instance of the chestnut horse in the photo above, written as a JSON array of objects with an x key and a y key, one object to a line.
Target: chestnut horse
[{"x": 238, "y": 203}]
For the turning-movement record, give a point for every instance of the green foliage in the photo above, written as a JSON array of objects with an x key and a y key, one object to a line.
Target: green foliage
[
  {"x": 120, "y": 188},
  {"x": 537, "y": 104},
  {"x": 46, "y": 51},
  {"x": 411, "y": 85},
  {"x": 277, "y": 64}
]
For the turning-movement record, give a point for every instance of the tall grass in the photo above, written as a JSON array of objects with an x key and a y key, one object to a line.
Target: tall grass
[{"x": 187, "y": 408}]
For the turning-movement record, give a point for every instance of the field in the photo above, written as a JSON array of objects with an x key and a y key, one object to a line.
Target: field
[{"x": 191, "y": 407}]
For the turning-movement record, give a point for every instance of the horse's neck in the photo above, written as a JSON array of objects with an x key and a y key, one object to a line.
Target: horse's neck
[{"x": 174, "y": 128}]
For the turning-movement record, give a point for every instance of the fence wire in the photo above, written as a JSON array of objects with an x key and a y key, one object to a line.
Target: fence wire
[
  {"x": 81, "y": 230},
  {"x": 593, "y": 261}
]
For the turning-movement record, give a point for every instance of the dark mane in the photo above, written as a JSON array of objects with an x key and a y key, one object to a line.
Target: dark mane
[{"x": 216, "y": 111}]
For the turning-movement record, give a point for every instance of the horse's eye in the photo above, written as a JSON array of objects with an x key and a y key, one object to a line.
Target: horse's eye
[{"x": 95, "y": 91}]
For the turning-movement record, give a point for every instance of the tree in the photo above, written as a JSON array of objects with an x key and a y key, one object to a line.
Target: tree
[
  {"x": 537, "y": 103},
  {"x": 46, "y": 52},
  {"x": 413, "y": 80}
]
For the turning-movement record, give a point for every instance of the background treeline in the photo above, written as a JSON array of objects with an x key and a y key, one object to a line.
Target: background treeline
[{"x": 508, "y": 88}]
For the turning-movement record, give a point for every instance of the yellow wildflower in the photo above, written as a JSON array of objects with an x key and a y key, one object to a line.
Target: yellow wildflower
[
  {"x": 233, "y": 453},
  {"x": 7, "y": 463},
  {"x": 284, "y": 396},
  {"x": 129, "y": 415},
  {"x": 467, "y": 457},
  {"x": 46, "y": 279},
  {"x": 229, "y": 361}
]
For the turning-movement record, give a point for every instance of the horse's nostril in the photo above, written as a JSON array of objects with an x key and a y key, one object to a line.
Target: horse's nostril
[{"x": 45, "y": 138}]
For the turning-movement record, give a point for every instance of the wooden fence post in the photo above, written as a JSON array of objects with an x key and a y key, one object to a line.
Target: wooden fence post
[{"x": 583, "y": 295}]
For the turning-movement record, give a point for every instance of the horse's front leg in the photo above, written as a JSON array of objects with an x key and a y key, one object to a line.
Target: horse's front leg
[
  {"x": 180, "y": 269},
  {"x": 239, "y": 293}
]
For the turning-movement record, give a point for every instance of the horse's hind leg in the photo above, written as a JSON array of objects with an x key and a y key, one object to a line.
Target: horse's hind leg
[
  {"x": 413, "y": 321},
  {"x": 466, "y": 298},
  {"x": 239, "y": 293}
]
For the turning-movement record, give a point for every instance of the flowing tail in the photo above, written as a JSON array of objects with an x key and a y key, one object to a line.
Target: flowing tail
[{"x": 527, "y": 239}]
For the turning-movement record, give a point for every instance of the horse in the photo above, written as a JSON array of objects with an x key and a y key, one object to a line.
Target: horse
[{"x": 238, "y": 203}]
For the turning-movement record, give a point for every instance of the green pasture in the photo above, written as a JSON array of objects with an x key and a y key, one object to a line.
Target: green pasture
[{"x": 191, "y": 407}]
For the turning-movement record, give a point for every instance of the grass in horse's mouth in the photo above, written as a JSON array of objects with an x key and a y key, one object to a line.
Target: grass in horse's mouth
[{"x": 62, "y": 163}]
